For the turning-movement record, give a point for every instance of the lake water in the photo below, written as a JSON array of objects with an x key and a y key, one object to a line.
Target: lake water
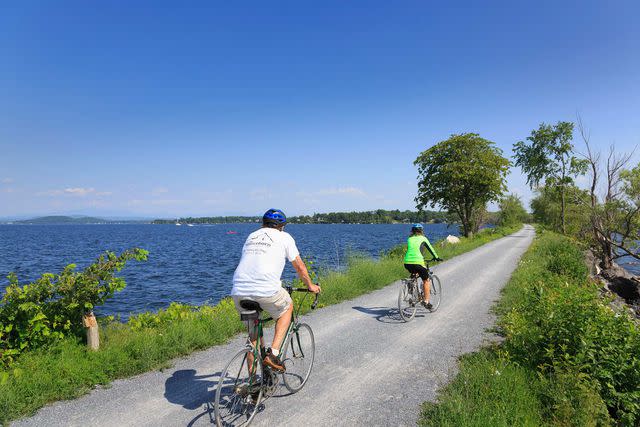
[{"x": 192, "y": 265}]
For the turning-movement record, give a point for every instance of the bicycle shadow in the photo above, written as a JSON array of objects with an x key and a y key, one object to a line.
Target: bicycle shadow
[
  {"x": 385, "y": 314},
  {"x": 189, "y": 390}
]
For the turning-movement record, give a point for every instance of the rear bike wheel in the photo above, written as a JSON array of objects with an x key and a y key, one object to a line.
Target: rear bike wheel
[
  {"x": 435, "y": 292},
  {"x": 239, "y": 392},
  {"x": 407, "y": 299},
  {"x": 298, "y": 355}
]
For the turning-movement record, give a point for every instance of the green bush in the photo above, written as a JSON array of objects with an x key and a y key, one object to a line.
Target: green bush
[
  {"x": 559, "y": 323},
  {"x": 572, "y": 399},
  {"x": 52, "y": 307}
]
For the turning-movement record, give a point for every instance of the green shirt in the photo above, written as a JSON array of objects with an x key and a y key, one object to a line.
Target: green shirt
[{"x": 414, "y": 255}]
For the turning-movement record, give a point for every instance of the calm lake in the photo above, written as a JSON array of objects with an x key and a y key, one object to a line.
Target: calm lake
[{"x": 192, "y": 265}]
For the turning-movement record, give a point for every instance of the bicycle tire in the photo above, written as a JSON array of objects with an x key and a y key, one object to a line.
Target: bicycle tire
[
  {"x": 435, "y": 292},
  {"x": 235, "y": 400},
  {"x": 407, "y": 301},
  {"x": 298, "y": 356}
]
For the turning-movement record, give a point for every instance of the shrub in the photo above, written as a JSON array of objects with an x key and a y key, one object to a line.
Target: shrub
[{"x": 52, "y": 307}]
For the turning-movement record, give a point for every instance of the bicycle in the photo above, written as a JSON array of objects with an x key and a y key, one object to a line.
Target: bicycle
[
  {"x": 245, "y": 382},
  {"x": 412, "y": 293}
]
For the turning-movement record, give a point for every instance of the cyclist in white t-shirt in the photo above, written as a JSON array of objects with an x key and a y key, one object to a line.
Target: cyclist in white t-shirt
[{"x": 257, "y": 277}]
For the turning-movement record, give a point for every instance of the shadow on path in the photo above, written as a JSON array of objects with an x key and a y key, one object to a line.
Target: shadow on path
[
  {"x": 385, "y": 314},
  {"x": 189, "y": 390}
]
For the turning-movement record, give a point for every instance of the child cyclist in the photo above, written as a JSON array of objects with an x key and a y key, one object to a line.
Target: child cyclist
[{"x": 414, "y": 259}]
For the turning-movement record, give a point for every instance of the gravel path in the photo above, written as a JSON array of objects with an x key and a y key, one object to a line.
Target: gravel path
[{"x": 371, "y": 368}]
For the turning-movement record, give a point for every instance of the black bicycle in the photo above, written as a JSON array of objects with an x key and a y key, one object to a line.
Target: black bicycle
[
  {"x": 412, "y": 293},
  {"x": 246, "y": 381}
]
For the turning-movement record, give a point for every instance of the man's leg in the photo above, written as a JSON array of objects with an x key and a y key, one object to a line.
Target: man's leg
[{"x": 282, "y": 325}]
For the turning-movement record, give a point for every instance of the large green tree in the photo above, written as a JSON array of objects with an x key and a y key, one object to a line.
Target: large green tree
[
  {"x": 547, "y": 157},
  {"x": 512, "y": 211},
  {"x": 462, "y": 174}
]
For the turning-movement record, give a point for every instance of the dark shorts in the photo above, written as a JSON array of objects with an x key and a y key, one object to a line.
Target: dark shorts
[{"x": 419, "y": 270}]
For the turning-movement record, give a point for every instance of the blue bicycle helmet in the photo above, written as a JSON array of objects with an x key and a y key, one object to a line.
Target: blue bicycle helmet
[
  {"x": 417, "y": 226},
  {"x": 274, "y": 216}
]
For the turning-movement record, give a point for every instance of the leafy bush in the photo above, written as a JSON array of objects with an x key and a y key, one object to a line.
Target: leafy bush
[
  {"x": 558, "y": 323},
  {"x": 52, "y": 307}
]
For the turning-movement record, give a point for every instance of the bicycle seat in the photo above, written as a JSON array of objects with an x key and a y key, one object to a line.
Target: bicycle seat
[
  {"x": 250, "y": 305},
  {"x": 252, "y": 308}
]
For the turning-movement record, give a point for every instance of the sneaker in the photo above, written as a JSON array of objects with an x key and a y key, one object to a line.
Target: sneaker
[
  {"x": 273, "y": 362},
  {"x": 427, "y": 305}
]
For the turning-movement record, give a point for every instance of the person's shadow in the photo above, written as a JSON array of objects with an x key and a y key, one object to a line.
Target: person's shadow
[
  {"x": 190, "y": 390},
  {"x": 384, "y": 314}
]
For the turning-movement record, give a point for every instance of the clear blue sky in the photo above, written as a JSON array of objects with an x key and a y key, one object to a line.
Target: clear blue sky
[{"x": 155, "y": 109}]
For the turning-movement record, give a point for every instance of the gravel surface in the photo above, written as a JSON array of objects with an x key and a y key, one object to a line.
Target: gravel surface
[{"x": 371, "y": 368}]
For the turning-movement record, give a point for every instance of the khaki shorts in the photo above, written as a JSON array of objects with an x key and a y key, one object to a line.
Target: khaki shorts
[{"x": 276, "y": 305}]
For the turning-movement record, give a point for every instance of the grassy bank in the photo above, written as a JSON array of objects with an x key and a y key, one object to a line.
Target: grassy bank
[
  {"x": 150, "y": 341},
  {"x": 567, "y": 358}
]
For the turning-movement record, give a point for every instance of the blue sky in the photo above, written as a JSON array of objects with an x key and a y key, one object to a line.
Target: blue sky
[{"x": 155, "y": 109}]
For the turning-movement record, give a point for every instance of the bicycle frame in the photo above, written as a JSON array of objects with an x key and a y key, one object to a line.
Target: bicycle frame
[{"x": 258, "y": 350}]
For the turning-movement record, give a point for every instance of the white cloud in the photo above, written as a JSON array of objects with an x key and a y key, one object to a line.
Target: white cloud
[
  {"x": 159, "y": 190},
  {"x": 6, "y": 180},
  {"x": 261, "y": 195},
  {"x": 79, "y": 191},
  {"x": 75, "y": 192},
  {"x": 349, "y": 191}
]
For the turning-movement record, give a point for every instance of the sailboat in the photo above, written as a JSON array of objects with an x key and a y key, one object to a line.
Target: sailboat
[{"x": 177, "y": 222}]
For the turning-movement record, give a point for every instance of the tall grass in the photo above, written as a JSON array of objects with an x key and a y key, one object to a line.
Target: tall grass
[
  {"x": 577, "y": 361},
  {"x": 150, "y": 341}
]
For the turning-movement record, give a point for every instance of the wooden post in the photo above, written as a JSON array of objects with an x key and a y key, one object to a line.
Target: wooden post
[{"x": 93, "y": 336}]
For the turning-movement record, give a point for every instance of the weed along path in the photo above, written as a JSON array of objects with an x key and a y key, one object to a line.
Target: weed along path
[{"x": 370, "y": 369}]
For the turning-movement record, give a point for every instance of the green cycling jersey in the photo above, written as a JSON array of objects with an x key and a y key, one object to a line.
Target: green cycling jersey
[{"x": 414, "y": 246}]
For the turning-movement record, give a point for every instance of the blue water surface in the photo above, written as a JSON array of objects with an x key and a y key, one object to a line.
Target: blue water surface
[{"x": 191, "y": 265}]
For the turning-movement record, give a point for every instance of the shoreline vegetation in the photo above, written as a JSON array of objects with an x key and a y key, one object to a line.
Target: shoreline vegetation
[
  {"x": 66, "y": 369},
  {"x": 379, "y": 216},
  {"x": 569, "y": 355}
]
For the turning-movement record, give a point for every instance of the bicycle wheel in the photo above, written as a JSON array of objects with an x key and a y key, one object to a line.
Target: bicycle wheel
[
  {"x": 299, "y": 352},
  {"x": 239, "y": 393},
  {"x": 407, "y": 300},
  {"x": 435, "y": 292}
]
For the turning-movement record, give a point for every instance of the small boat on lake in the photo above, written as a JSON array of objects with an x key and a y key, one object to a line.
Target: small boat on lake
[{"x": 232, "y": 232}]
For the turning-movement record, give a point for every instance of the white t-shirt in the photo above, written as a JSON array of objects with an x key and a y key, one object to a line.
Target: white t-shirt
[{"x": 263, "y": 257}]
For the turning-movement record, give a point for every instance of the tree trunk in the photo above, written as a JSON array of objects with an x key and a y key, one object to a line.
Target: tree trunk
[
  {"x": 564, "y": 231},
  {"x": 93, "y": 334}
]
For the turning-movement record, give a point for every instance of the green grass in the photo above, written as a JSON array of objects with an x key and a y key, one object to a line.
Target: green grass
[
  {"x": 150, "y": 341},
  {"x": 567, "y": 357}
]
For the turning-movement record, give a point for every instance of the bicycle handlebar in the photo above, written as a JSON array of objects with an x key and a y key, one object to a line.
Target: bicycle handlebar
[{"x": 315, "y": 300}]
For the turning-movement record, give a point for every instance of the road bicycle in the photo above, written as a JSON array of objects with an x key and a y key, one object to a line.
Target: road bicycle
[
  {"x": 246, "y": 381},
  {"x": 412, "y": 293}
]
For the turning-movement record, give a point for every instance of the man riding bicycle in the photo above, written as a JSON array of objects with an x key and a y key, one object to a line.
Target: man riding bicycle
[
  {"x": 257, "y": 278},
  {"x": 417, "y": 244}
]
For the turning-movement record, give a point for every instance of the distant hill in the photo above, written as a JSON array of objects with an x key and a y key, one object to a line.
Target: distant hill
[{"x": 60, "y": 219}]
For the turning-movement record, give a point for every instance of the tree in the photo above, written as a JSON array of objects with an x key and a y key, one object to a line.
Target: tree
[
  {"x": 511, "y": 211},
  {"x": 461, "y": 174},
  {"x": 614, "y": 208},
  {"x": 547, "y": 157}
]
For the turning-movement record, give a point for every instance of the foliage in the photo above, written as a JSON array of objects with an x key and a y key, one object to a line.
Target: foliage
[
  {"x": 52, "y": 307},
  {"x": 379, "y": 216},
  {"x": 462, "y": 174},
  {"x": 511, "y": 211},
  {"x": 567, "y": 358},
  {"x": 546, "y": 209},
  {"x": 547, "y": 156},
  {"x": 556, "y": 322},
  {"x": 487, "y": 391}
]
